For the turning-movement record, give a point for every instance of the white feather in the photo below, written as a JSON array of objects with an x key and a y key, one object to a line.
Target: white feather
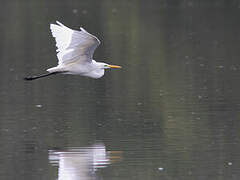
[
  {"x": 62, "y": 35},
  {"x": 72, "y": 45}
]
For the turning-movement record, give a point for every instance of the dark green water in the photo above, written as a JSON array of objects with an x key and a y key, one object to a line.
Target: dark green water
[{"x": 172, "y": 111}]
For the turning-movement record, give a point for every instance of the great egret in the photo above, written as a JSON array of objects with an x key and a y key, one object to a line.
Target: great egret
[{"x": 75, "y": 52}]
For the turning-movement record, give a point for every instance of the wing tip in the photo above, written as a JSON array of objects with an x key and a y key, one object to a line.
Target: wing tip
[
  {"x": 82, "y": 29},
  {"x": 52, "y": 25},
  {"x": 62, "y": 25},
  {"x": 59, "y": 23}
]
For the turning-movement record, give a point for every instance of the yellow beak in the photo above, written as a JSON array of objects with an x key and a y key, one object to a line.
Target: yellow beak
[{"x": 114, "y": 66}]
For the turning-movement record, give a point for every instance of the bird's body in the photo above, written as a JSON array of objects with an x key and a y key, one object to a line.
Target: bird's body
[
  {"x": 85, "y": 69},
  {"x": 75, "y": 52}
]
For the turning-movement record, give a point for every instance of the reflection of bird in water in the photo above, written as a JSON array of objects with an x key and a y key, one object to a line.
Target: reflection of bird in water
[
  {"x": 75, "y": 52},
  {"x": 81, "y": 163}
]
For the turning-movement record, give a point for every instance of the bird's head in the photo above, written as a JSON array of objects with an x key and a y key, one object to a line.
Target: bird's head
[{"x": 99, "y": 68}]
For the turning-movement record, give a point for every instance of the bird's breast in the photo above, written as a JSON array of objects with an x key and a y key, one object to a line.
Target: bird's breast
[
  {"x": 97, "y": 73},
  {"x": 87, "y": 69}
]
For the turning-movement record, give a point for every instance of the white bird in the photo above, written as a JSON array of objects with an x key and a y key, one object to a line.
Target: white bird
[{"x": 75, "y": 52}]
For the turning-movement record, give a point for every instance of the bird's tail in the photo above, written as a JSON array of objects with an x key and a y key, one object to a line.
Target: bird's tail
[{"x": 30, "y": 78}]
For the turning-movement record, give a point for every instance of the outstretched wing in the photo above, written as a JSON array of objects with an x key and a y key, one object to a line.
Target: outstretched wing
[{"x": 73, "y": 45}]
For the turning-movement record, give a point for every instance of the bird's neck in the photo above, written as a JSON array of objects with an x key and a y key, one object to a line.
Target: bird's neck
[{"x": 96, "y": 64}]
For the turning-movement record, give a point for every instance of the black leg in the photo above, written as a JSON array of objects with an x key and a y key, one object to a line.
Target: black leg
[{"x": 30, "y": 78}]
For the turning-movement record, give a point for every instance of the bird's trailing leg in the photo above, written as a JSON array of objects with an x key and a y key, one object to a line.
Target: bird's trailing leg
[{"x": 30, "y": 78}]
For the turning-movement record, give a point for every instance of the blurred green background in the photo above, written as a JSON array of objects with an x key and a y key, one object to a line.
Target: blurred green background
[{"x": 173, "y": 109}]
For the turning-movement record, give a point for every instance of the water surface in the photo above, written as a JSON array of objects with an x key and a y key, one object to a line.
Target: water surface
[{"x": 172, "y": 110}]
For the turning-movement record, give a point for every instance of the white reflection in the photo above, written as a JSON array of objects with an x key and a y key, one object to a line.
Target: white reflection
[{"x": 81, "y": 163}]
